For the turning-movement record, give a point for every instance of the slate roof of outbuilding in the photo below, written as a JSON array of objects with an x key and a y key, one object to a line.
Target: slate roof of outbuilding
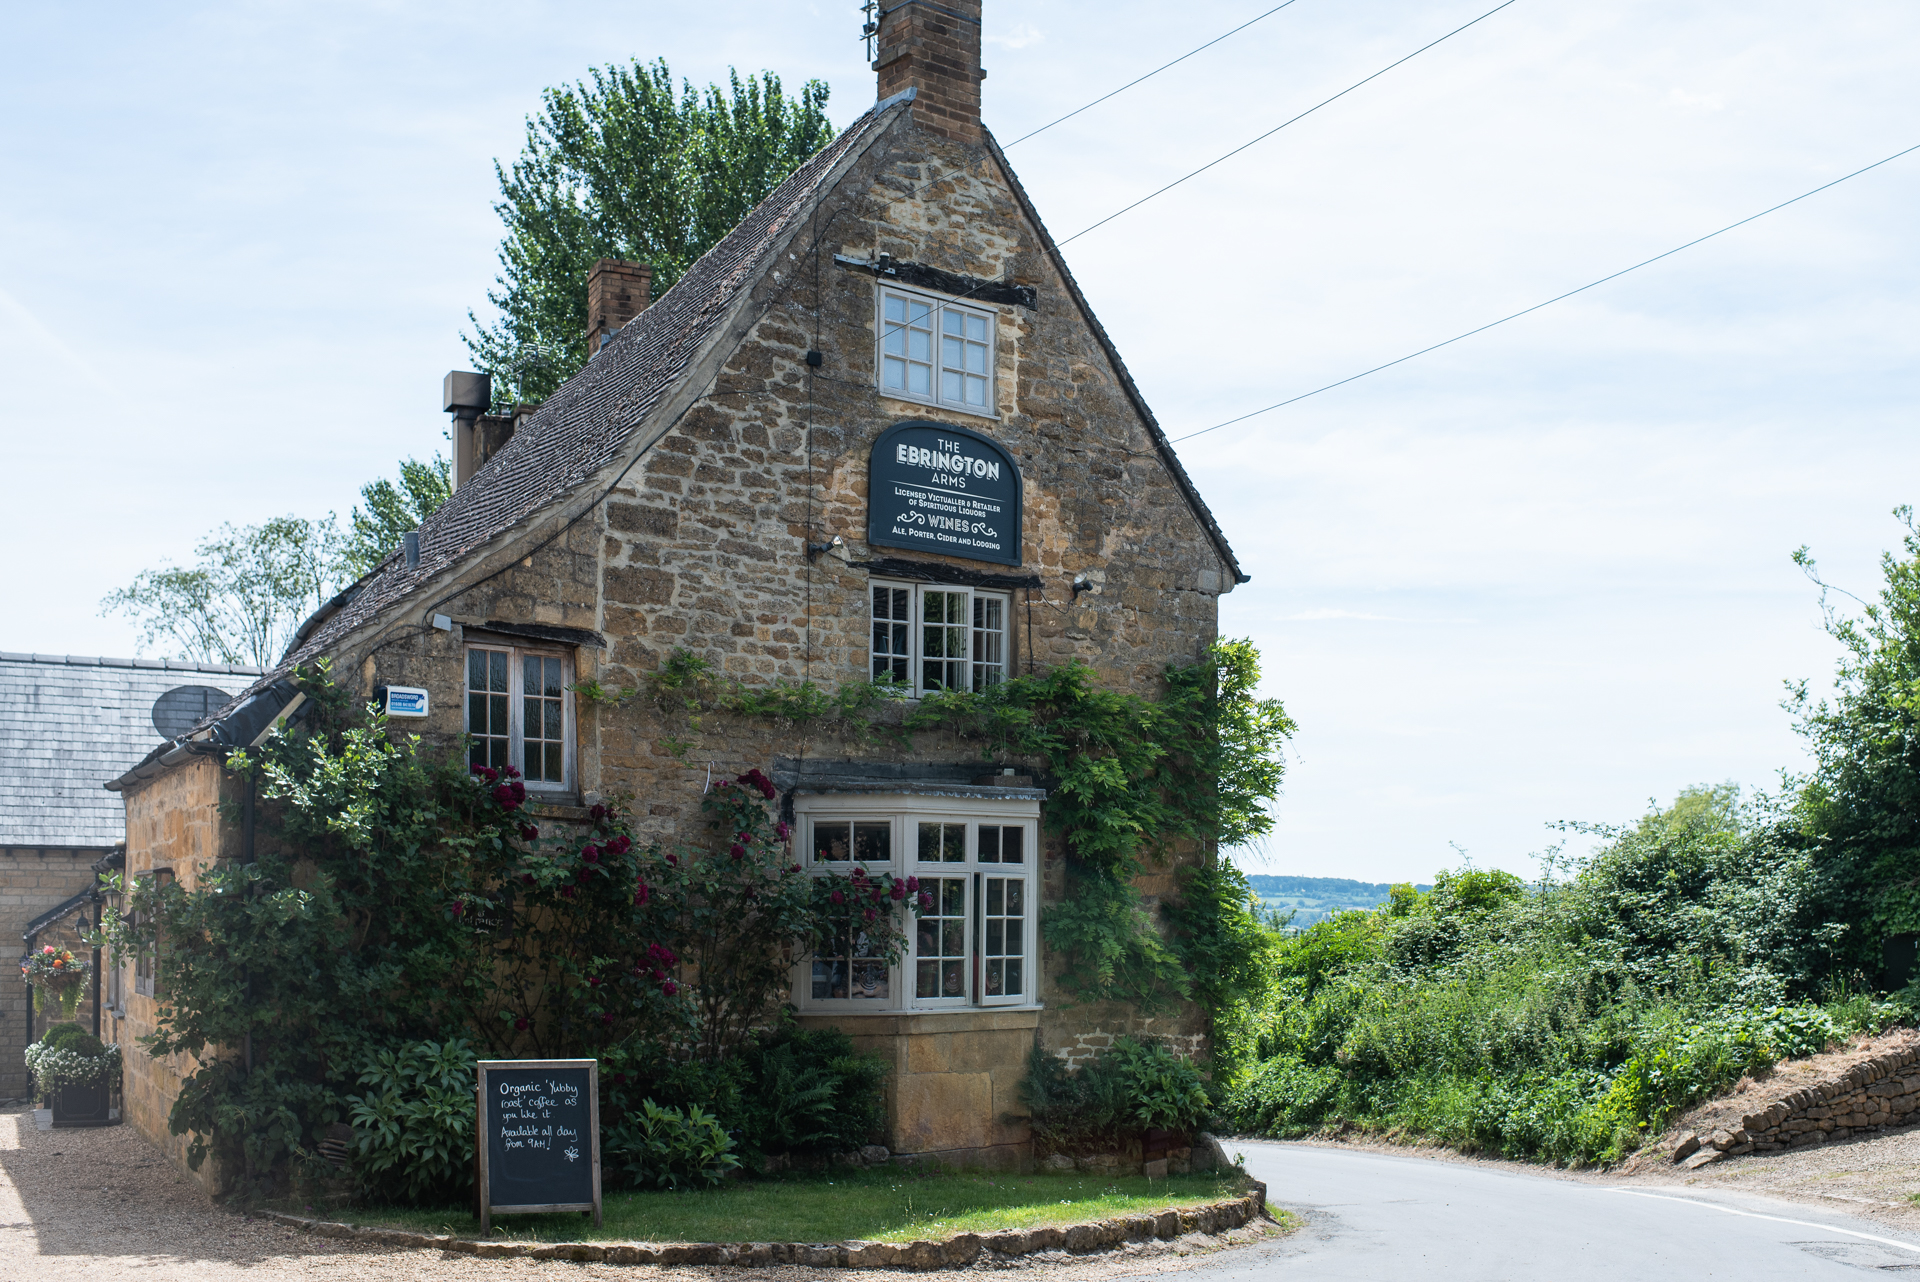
[{"x": 70, "y": 723}]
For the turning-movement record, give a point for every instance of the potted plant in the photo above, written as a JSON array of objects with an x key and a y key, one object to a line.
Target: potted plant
[
  {"x": 56, "y": 973},
  {"x": 74, "y": 1072}
]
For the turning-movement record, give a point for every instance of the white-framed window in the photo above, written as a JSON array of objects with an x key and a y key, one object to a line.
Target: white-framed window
[
  {"x": 935, "y": 350},
  {"x": 974, "y": 859},
  {"x": 146, "y": 962},
  {"x": 931, "y": 636},
  {"x": 520, "y": 712}
]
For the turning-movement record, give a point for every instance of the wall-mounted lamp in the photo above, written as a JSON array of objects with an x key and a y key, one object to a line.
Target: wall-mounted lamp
[
  {"x": 1081, "y": 584},
  {"x": 833, "y": 544}
]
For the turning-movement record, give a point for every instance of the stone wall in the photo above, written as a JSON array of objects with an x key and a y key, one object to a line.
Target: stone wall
[
  {"x": 33, "y": 880},
  {"x": 1871, "y": 1096},
  {"x": 173, "y": 822}
]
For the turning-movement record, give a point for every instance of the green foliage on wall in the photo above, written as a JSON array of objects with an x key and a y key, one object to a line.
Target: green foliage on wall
[
  {"x": 398, "y": 904},
  {"x": 1130, "y": 780}
]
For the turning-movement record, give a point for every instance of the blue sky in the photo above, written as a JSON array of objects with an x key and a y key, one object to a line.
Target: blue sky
[{"x": 1541, "y": 575}]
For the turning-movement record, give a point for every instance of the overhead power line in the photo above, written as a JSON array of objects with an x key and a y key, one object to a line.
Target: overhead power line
[
  {"x": 1277, "y": 128},
  {"x": 1150, "y": 75},
  {"x": 1551, "y": 301}
]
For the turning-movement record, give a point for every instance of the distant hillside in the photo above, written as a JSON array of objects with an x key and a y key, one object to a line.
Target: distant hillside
[{"x": 1315, "y": 899}]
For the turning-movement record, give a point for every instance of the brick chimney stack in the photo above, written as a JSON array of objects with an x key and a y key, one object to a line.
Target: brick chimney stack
[
  {"x": 616, "y": 293},
  {"x": 934, "y": 48}
]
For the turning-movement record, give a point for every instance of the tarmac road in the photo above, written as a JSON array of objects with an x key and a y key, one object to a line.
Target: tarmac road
[{"x": 1386, "y": 1218}]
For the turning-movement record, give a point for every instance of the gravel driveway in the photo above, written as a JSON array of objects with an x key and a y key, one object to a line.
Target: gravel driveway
[{"x": 99, "y": 1204}]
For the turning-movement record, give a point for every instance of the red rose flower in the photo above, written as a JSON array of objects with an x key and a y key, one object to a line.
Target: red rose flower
[
  {"x": 607, "y": 1018},
  {"x": 521, "y": 1024},
  {"x": 529, "y": 833},
  {"x": 913, "y": 883},
  {"x": 669, "y": 987},
  {"x": 641, "y": 895},
  {"x": 782, "y": 831},
  {"x": 898, "y": 892},
  {"x": 926, "y": 900},
  {"x": 591, "y": 854},
  {"x": 839, "y": 898},
  {"x": 598, "y": 812},
  {"x": 738, "y": 851},
  {"x": 567, "y": 891},
  {"x": 459, "y": 907},
  {"x": 868, "y": 914}
]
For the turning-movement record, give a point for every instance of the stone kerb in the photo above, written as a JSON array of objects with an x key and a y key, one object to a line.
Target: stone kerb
[
  {"x": 1867, "y": 1097},
  {"x": 958, "y": 1252}
]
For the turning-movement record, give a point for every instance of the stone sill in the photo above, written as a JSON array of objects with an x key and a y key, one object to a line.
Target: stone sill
[
  {"x": 977, "y": 1020},
  {"x": 965, "y": 1250}
]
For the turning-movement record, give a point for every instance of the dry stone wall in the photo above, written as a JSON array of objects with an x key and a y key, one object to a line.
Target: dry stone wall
[{"x": 1877, "y": 1093}]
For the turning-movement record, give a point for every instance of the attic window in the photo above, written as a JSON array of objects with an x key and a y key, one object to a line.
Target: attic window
[{"x": 936, "y": 351}]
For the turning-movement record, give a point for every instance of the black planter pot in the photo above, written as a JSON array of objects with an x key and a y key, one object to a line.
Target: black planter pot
[{"x": 82, "y": 1106}]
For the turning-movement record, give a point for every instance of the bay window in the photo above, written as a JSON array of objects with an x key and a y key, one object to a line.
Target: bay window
[{"x": 974, "y": 862}]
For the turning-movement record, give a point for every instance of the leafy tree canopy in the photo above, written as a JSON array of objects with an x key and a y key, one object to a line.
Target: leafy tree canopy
[
  {"x": 1859, "y": 808},
  {"x": 251, "y": 586},
  {"x": 393, "y": 510},
  {"x": 621, "y": 166}
]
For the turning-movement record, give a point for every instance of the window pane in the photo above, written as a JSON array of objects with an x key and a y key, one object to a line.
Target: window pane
[
  {"x": 919, "y": 313},
  {"x": 1005, "y": 935},
  {"x": 976, "y": 391},
  {"x": 849, "y": 967},
  {"x": 895, "y": 342},
  {"x": 554, "y": 689},
  {"x": 940, "y": 946},
  {"x": 953, "y": 353},
  {"x": 890, "y": 632},
  {"x": 919, "y": 345},
  {"x": 896, "y": 307},
  {"x": 497, "y": 670},
  {"x": 955, "y": 321},
  {"x": 893, "y": 374},
  {"x": 831, "y": 842},
  {"x": 1010, "y": 839},
  {"x": 977, "y": 328},
  {"x": 476, "y": 669},
  {"x": 950, "y": 386},
  {"x": 989, "y": 641},
  {"x": 873, "y": 843},
  {"x": 919, "y": 380}
]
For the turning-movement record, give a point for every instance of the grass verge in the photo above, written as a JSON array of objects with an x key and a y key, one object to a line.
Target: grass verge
[{"x": 874, "y": 1206}]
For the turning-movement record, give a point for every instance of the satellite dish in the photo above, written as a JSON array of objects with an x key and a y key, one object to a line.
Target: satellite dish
[{"x": 182, "y": 708}]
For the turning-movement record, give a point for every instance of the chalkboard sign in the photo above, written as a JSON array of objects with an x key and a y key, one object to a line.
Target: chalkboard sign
[
  {"x": 538, "y": 1138},
  {"x": 945, "y": 489}
]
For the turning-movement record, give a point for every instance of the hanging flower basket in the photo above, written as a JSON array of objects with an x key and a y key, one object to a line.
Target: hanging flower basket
[{"x": 56, "y": 973}]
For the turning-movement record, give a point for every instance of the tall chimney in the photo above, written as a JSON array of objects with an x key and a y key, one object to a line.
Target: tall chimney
[
  {"x": 934, "y": 49},
  {"x": 616, "y": 293},
  {"x": 465, "y": 395}
]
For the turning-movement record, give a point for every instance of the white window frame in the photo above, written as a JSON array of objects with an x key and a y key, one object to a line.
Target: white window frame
[
  {"x": 903, "y": 813},
  {"x": 937, "y": 362},
  {"x": 975, "y": 665},
  {"x": 516, "y": 708}
]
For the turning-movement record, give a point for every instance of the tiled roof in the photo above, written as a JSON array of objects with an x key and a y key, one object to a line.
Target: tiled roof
[{"x": 68, "y": 724}]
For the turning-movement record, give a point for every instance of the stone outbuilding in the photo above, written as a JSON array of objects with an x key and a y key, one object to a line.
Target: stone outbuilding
[
  {"x": 875, "y": 432},
  {"x": 68, "y": 724}
]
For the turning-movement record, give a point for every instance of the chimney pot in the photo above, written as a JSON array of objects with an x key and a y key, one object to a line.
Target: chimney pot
[
  {"x": 463, "y": 390},
  {"x": 616, "y": 293},
  {"x": 934, "y": 49}
]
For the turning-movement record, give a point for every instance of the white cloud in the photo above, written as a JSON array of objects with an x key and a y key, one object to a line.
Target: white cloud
[{"x": 1022, "y": 35}]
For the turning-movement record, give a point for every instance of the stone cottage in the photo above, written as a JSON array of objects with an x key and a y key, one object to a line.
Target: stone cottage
[{"x": 875, "y": 432}]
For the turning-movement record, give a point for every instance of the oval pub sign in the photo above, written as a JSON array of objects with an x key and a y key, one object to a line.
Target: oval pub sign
[{"x": 938, "y": 488}]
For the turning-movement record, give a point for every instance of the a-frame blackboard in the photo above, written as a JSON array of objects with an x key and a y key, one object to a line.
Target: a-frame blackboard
[{"x": 537, "y": 1142}]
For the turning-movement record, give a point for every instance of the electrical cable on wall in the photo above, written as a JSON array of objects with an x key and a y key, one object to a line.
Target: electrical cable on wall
[{"x": 1292, "y": 400}]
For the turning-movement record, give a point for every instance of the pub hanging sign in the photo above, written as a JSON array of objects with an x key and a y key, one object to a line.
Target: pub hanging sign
[{"x": 938, "y": 488}]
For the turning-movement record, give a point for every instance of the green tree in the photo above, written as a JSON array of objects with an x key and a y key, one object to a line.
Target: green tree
[
  {"x": 244, "y": 596},
  {"x": 1859, "y": 808},
  {"x": 620, "y": 166},
  {"x": 394, "y": 509}
]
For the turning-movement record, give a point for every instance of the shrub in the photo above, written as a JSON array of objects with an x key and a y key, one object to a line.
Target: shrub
[
  {"x": 68, "y": 1055},
  {"x": 413, "y": 1127},
  {"x": 1134, "y": 1086},
  {"x": 810, "y": 1092},
  {"x": 654, "y": 1147},
  {"x": 74, "y": 1038}
]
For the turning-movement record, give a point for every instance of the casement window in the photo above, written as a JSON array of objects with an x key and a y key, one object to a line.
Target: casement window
[
  {"x": 929, "y": 636},
  {"x": 974, "y": 941},
  {"x": 520, "y": 713},
  {"x": 145, "y": 962},
  {"x": 935, "y": 350}
]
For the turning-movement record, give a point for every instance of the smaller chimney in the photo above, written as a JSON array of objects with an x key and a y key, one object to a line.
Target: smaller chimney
[
  {"x": 465, "y": 395},
  {"x": 934, "y": 49},
  {"x": 616, "y": 293}
]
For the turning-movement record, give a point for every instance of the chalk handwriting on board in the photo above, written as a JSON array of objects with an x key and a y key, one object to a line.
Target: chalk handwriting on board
[{"x": 539, "y": 1135}]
